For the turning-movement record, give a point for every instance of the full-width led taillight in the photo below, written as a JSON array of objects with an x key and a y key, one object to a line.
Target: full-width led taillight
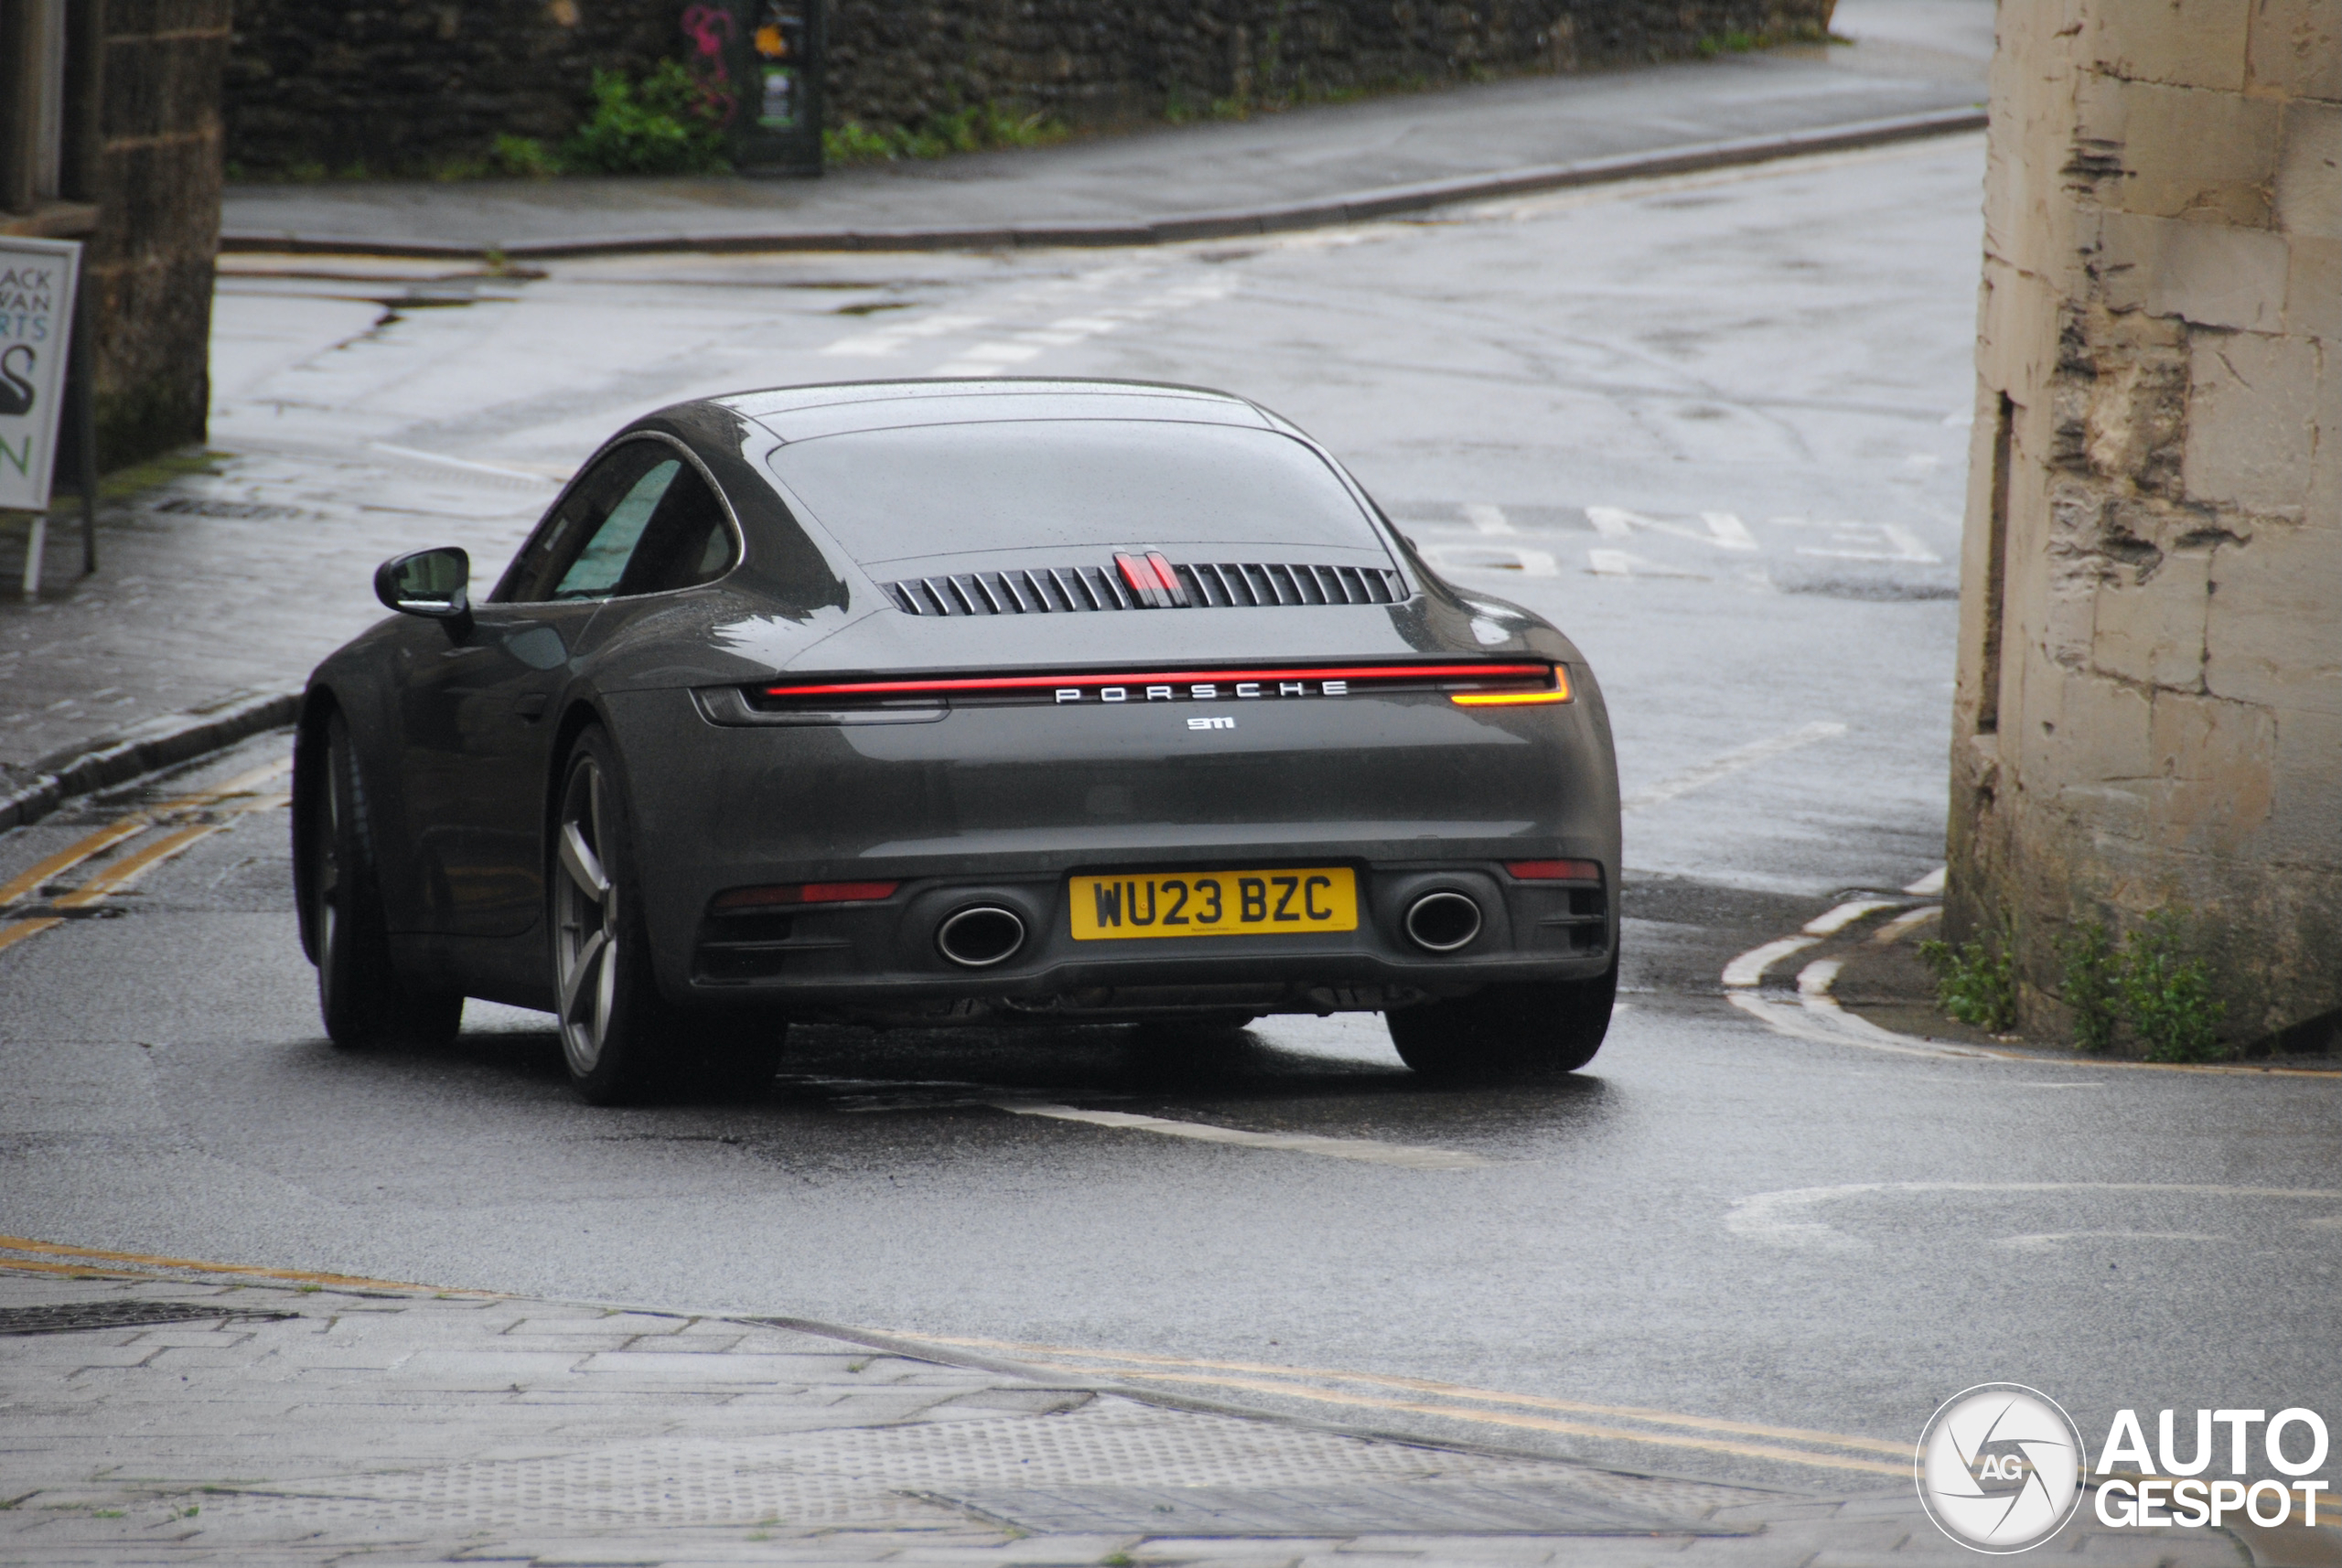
[
  {"x": 1538, "y": 682},
  {"x": 1555, "y": 870},
  {"x": 788, "y": 893}
]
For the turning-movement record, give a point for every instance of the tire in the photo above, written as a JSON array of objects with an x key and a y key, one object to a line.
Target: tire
[
  {"x": 360, "y": 994},
  {"x": 1508, "y": 1031},
  {"x": 622, "y": 1040}
]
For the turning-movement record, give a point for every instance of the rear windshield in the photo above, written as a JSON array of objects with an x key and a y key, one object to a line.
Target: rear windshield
[{"x": 937, "y": 489}]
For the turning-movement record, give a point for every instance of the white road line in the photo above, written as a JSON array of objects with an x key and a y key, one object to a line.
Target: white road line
[
  {"x": 1816, "y": 979},
  {"x": 1785, "y": 1218},
  {"x": 1749, "y": 968},
  {"x": 1731, "y": 762},
  {"x": 1895, "y": 929},
  {"x": 885, "y": 339},
  {"x": 1626, "y": 564},
  {"x": 1487, "y": 518},
  {"x": 464, "y": 463},
  {"x": 1835, "y": 920},
  {"x": 1407, "y": 1155},
  {"x": 1729, "y": 533},
  {"x": 1929, "y": 886},
  {"x": 1492, "y": 558}
]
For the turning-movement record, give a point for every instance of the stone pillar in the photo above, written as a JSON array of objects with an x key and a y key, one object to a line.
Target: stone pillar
[
  {"x": 157, "y": 183},
  {"x": 2149, "y": 713}
]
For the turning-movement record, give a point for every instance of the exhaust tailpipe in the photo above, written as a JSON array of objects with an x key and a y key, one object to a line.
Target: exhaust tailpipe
[
  {"x": 982, "y": 935},
  {"x": 1444, "y": 921}
]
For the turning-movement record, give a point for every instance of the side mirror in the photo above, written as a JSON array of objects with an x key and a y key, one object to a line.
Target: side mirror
[{"x": 430, "y": 583}]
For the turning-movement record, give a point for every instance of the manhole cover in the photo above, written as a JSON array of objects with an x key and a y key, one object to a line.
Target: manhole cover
[
  {"x": 63, "y": 1318},
  {"x": 1399, "y": 1509}
]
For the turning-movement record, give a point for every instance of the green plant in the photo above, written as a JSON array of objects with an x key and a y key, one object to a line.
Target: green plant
[
  {"x": 663, "y": 124},
  {"x": 524, "y": 158},
  {"x": 2093, "y": 970},
  {"x": 1976, "y": 984},
  {"x": 2168, "y": 1000},
  {"x": 967, "y": 130}
]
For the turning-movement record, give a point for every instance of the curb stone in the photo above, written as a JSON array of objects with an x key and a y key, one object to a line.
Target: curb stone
[
  {"x": 1359, "y": 207},
  {"x": 164, "y": 741}
]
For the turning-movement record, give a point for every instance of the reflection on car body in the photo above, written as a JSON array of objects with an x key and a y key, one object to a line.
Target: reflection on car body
[{"x": 911, "y": 702}]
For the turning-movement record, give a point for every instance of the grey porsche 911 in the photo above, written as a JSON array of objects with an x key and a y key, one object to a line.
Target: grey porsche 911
[{"x": 948, "y": 702}]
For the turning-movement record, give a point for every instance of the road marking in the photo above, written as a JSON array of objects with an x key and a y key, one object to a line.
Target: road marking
[
  {"x": 118, "y": 874},
  {"x": 1217, "y": 1374},
  {"x": 1729, "y": 532},
  {"x": 886, "y": 340},
  {"x": 1783, "y": 1218},
  {"x": 1431, "y": 1386},
  {"x": 17, "y": 931},
  {"x": 1409, "y": 1157},
  {"x": 2042, "y": 1241},
  {"x": 149, "y": 1260},
  {"x": 1816, "y": 978},
  {"x": 1492, "y": 558},
  {"x": 1895, "y": 929},
  {"x": 464, "y": 463},
  {"x": 1626, "y": 564},
  {"x": 131, "y": 867},
  {"x": 1894, "y": 542},
  {"x": 1722, "y": 529},
  {"x": 1731, "y": 762},
  {"x": 70, "y": 856},
  {"x": 1835, "y": 920},
  {"x": 1749, "y": 968},
  {"x": 1486, "y": 518},
  {"x": 1930, "y": 886}
]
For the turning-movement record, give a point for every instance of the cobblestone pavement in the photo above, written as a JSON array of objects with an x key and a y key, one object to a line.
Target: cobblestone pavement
[{"x": 274, "y": 1421}]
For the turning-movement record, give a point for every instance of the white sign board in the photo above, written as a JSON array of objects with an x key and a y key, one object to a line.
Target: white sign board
[{"x": 36, "y": 279}]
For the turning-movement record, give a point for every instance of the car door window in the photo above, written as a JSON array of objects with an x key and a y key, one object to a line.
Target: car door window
[{"x": 641, "y": 521}]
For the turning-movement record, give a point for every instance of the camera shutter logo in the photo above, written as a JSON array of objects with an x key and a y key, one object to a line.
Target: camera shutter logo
[{"x": 1999, "y": 1467}]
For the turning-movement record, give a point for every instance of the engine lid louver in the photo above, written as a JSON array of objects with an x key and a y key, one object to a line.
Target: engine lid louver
[{"x": 1208, "y": 585}]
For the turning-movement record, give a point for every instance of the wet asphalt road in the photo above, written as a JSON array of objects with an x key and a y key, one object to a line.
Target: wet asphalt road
[{"x": 1714, "y": 1224}]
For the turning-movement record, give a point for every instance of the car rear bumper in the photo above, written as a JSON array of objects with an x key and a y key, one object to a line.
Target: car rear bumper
[{"x": 1001, "y": 809}]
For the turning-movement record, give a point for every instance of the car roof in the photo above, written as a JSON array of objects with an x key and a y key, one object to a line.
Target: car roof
[{"x": 800, "y": 414}]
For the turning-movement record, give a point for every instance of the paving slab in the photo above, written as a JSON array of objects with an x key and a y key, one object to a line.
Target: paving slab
[{"x": 141, "y": 1466}]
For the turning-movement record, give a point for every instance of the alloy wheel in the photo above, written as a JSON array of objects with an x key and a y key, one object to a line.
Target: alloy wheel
[{"x": 586, "y": 919}]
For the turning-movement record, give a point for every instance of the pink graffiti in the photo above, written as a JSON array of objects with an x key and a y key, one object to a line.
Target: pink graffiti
[{"x": 709, "y": 28}]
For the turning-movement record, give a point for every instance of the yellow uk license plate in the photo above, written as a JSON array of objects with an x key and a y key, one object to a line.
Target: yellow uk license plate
[{"x": 1215, "y": 903}]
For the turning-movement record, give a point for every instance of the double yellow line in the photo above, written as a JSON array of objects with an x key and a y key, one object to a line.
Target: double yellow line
[
  {"x": 1456, "y": 1402},
  {"x": 120, "y": 874}
]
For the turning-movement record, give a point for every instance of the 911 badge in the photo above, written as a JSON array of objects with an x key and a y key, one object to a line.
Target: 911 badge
[{"x": 1214, "y": 721}]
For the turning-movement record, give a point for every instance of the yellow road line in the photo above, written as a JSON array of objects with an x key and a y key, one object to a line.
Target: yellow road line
[
  {"x": 247, "y": 1271},
  {"x": 17, "y": 931},
  {"x": 1527, "y": 1423},
  {"x": 241, "y": 784},
  {"x": 1441, "y": 1390},
  {"x": 65, "y": 859},
  {"x": 137, "y": 822},
  {"x": 123, "y": 871},
  {"x": 67, "y": 1268}
]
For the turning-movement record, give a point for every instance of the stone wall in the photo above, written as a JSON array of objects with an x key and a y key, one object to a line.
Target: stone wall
[
  {"x": 407, "y": 87},
  {"x": 2150, "y": 701},
  {"x": 157, "y": 183}
]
